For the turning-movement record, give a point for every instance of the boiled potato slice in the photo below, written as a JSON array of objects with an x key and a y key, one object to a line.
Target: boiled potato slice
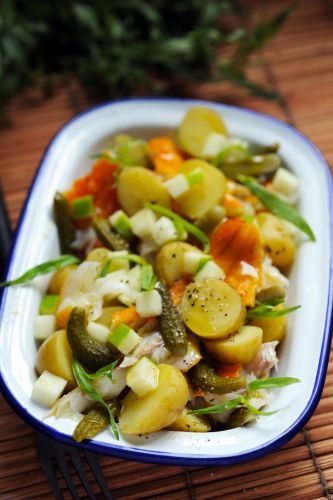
[
  {"x": 55, "y": 356},
  {"x": 190, "y": 423},
  {"x": 238, "y": 348},
  {"x": 212, "y": 309},
  {"x": 106, "y": 316},
  {"x": 273, "y": 328},
  {"x": 199, "y": 199},
  {"x": 196, "y": 126},
  {"x": 58, "y": 278},
  {"x": 169, "y": 262},
  {"x": 278, "y": 244},
  {"x": 137, "y": 186},
  {"x": 159, "y": 408}
]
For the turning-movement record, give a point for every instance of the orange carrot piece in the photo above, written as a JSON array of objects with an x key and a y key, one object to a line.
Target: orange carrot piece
[
  {"x": 177, "y": 290},
  {"x": 229, "y": 371},
  {"x": 62, "y": 316},
  {"x": 235, "y": 241},
  {"x": 165, "y": 156},
  {"x": 232, "y": 205}
]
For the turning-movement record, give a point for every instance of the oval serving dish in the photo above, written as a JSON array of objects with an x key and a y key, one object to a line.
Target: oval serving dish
[{"x": 305, "y": 351}]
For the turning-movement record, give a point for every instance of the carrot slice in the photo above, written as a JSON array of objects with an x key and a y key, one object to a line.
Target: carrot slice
[
  {"x": 177, "y": 290},
  {"x": 129, "y": 316},
  {"x": 165, "y": 156},
  {"x": 229, "y": 371},
  {"x": 235, "y": 241}
]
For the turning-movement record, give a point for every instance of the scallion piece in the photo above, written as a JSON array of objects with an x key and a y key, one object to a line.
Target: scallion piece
[
  {"x": 179, "y": 221},
  {"x": 194, "y": 177},
  {"x": 82, "y": 207},
  {"x": 45, "y": 268},
  {"x": 271, "y": 383},
  {"x": 276, "y": 205},
  {"x": 269, "y": 310},
  {"x": 130, "y": 257},
  {"x": 121, "y": 224},
  {"x": 49, "y": 304},
  {"x": 148, "y": 278}
]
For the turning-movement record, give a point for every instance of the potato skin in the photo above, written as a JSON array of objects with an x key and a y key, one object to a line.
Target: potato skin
[
  {"x": 238, "y": 348},
  {"x": 191, "y": 423},
  {"x": 273, "y": 328},
  {"x": 137, "y": 186},
  {"x": 277, "y": 242},
  {"x": 196, "y": 202},
  {"x": 55, "y": 355},
  {"x": 169, "y": 262},
  {"x": 159, "y": 408},
  {"x": 212, "y": 309}
]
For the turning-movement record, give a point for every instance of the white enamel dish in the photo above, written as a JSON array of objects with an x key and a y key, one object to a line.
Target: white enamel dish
[{"x": 305, "y": 351}]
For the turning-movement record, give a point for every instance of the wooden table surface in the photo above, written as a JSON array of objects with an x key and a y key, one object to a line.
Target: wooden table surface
[{"x": 300, "y": 66}]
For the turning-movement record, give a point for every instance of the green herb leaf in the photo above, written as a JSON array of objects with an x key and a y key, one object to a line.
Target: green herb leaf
[
  {"x": 130, "y": 257},
  {"x": 104, "y": 156},
  {"x": 148, "y": 278},
  {"x": 254, "y": 410},
  {"x": 271, "y": 383},
  {"x": 266, "y": 310},
  {"x": 49, "y": 304},
  {"x": 229, "y": 405},
  {"x": 200, "y": 235},
  {"x": 276, "y": 205},
  {"x": 84, "y": 382},
  {"x": 45, "y": 268}
]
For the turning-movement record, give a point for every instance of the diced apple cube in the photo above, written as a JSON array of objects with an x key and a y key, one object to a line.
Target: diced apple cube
[
  {"x": 191, "y": 261},
  {"x": 149, "y": 304},
  {"x": 142, "y": 222},
  {"x": 285, "y": 182},
  {"x": 176, "y": 186},
  {"x": 142, "y": 377},
  {"x": 98, "y": 332},
  {"x": 124, "y": 338},
  {"x": 44, "y": 326},
  {"x": 164, "y": 231},
  {"x": 210, "y": 270},
  {"x": 48, "y": 388}
]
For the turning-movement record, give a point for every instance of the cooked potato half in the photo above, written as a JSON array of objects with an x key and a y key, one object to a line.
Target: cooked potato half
[
  {"x": 196, "y": 202},
  {"x": 137, "y": 186},
  {"x": 159, "y": 408},
  {"x": 212, "y": 309},
  {"x": 58, "y": 278},
  {"x": 190, "y": 423},
  {"x": 196, "y": 126},
  {"x": 55, "y": 356},
  {"x": 278, "y": 243},
  {"x": 240, "y": 347},
  {"x": 169, "y": 262},
  {"x": 273, "y": 328}
]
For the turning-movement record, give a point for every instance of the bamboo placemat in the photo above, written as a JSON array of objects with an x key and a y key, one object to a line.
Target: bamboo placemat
[{"x": 300, "y": 66}]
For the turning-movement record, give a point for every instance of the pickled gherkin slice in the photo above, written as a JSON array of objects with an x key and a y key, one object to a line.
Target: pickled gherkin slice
[
  {"x": 96, "y": 420},
  {"x": 109, "y": 238},
  {"x": 171, "y": 325},
  {"x": 239, "y": 417},
  {"x": 205, "y": 378},
  {"x": 232, "y": 165},
  {"x": 92, "y": 354},
  {"x": 64, "y": 222}
]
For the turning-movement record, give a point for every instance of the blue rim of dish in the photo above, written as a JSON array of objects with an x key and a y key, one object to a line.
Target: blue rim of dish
[{"x": 131, "y": 453}]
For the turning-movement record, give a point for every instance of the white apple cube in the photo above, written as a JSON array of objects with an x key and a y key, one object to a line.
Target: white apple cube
[
  {"x": 142, "y": 377},
  {"x": 48, "y": 388}
]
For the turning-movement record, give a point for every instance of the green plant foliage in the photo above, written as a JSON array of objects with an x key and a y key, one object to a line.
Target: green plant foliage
[{"x": 119, "y": 47}]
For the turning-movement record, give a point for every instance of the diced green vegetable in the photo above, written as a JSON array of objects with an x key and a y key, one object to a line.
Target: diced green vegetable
[
  {"x": 271, "y": 383},
  {"x": 82, "y": 207},
  {"x": 269, "y": 310},
  {"x": 276, "y": 205},
  {"x": 121, "y": 223},
  {"x": 110, "y": 239},
  {"x": 148, "y": 278},
  {"x": 194, "y": 177},
  {"x": 124, "y": 338},
  {"x": 45, "y": 268},
  {"x": 49, "y": 304},
  {"x": 130, "y": 257}
]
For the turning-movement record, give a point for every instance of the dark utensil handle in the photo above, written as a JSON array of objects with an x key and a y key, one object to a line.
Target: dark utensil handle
[{"x": 5, "y": 234}]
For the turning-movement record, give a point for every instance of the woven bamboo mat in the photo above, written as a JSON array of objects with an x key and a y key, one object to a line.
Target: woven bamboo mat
[{"x": 300, "y": 66}]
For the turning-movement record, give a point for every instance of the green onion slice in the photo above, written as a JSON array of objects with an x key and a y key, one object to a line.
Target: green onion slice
[
  {"x": 276, "y": 205},
  {"x": 49, "y": 304},
  {"x": 82, "y": 207},
  {"x": 148, "y": 278},
  {"x": 45, "y": 268}
]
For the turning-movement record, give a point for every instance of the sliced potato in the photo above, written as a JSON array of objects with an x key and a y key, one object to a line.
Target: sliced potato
[
  {"x": 273, "y": 328},
  {"x": 169, "y": 262},
  {"x": 278, "y": 244},
  {"x": 191, "y": 423},
  {"x": 55, "y": 356},
  {"x": 196, "y": 126},
  {"x": 107, "y": 313},
  {"x": 212, "y": 309},
  {"x": 159, "y": 408},
  {"x": 58, "y": 278},
  {"x": 137, "y": 186},
  {"x": 101, "y": 255},
  {"x": 240, "y": 347},
  {"x": 198, "y": 200}
]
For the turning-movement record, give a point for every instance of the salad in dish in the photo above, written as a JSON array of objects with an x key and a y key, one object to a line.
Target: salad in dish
[{"x": 166, "y": 307}]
